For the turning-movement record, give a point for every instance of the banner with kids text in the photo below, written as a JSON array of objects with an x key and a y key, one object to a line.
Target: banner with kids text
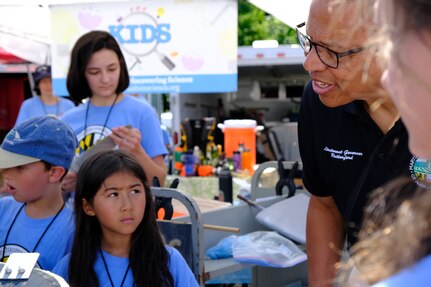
[{"x": 170, "y": 46}]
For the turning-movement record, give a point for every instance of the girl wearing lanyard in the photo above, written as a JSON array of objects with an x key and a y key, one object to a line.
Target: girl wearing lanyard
[
  {"x": 98, "y": 74},
  {"x": 117, "y": 241}
]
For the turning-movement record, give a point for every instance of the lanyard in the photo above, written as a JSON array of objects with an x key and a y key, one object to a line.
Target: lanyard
[
  {"x": 109, "y": 274},
  {"x": 106, "y": 120},
  {"x": 57, "y": 107},
  {"x": 40, "y": 238}
]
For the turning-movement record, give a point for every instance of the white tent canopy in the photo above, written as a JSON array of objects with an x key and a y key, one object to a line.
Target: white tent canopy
[
  {"x": 25, "y": 27},
  {"x": 291, "y": 12},
  {"x": 25, "y": 32}
]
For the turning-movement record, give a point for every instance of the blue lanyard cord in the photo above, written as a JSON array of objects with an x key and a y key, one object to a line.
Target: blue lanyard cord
[
  {"x": 109, "y": 274},
  {"x": 40, "y": 238},
  {"x": 57, "y": 107},
  {"x": 107, "y": 116}
]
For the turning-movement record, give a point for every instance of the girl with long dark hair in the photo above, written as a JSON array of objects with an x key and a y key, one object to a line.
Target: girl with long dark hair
[
  {"x": 117, "y": 240},
  {"x": 98, "y": 76}
]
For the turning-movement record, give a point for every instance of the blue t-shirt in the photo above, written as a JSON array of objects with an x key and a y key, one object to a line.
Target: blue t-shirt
[
  {"x": 26, "y": 231},
  {"x": 128, "y": 111},
  {"x": 418, "y": 275},
  {"x": 34, "y": 107},
  {"x": 183, "y": 276},
  {"x": 165, "y": 132}
]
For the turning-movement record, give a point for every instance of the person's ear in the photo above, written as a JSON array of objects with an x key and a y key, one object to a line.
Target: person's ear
[
  {"x": 88, "y": 209},
  {"x": 56, "y": 173}
]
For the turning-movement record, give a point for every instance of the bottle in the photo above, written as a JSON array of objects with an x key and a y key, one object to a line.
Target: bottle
[
  {"x": 225, "y": 184},
  {"x": 246, "y": 160},
  {"x": 236, "y": 159},
  {"x": 178, "y": 163},
  {"x": 197, "y": 155},
  {"x": 189, "y": 163}
]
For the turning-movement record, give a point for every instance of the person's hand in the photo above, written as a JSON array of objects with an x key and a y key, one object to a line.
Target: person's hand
[
  {"x": 127, "y": 138},
  {"x": 68, "y": 184}
]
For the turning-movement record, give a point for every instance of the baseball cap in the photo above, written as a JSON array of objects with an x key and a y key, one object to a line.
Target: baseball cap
[
  {"x": 40, "y": 138},
  {"x": 41, "y": 72}
]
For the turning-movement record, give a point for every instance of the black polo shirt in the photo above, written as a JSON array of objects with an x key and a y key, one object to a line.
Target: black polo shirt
[{"x": 345, "y": 154}]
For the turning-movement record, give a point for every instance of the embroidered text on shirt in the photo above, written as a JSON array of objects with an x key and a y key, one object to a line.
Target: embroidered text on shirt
[{"x": 342, "y": 154}]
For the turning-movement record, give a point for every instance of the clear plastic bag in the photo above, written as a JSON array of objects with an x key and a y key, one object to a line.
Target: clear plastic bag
[
  {"x": 223, "y": 249},
  {"x": 266, "y": 248}
]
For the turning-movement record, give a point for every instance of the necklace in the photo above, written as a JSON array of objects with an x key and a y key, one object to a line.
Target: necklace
[
  {"x": 106, "y": 120},
  {"x": 40, "y": 238},
  {"x": 57, "y": 107},
  {"x": 109, "y": 274}
]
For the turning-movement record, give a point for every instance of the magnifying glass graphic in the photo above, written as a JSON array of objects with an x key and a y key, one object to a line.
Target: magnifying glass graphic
[{"x": 141, "y": 49}]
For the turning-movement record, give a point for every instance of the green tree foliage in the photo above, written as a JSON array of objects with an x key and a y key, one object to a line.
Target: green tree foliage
[{"x": 255, "y": 24}]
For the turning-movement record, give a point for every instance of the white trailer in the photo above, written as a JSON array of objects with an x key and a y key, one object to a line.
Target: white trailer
[{"x": 270, "y": 82}]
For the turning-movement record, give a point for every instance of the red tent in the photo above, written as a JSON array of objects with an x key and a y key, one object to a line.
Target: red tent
[
  {"x": 12, "y": 92},
  {"x": 8, "y": 58}
]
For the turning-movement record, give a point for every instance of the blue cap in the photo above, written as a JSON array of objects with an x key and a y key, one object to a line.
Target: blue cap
[
  {"x": 41, "y": 72},
  {"x": 40, "y": 138}
]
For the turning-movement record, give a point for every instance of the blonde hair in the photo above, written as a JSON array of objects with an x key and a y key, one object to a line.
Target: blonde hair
[
  {"x": 396, "y": 19},
  {"x": 396, "y": 230}
]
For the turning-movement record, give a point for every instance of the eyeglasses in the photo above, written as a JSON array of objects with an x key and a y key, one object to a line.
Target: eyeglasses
[{"x": 328, "y": 57}]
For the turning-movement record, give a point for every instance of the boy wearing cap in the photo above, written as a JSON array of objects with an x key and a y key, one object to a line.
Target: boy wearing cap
[
  {"x": 45, "y": 103},
  {"x": 34, "y": 157}
]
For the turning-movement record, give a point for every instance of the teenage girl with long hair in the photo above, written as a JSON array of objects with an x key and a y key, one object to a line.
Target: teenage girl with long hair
[{"x": 98, "y": 74}]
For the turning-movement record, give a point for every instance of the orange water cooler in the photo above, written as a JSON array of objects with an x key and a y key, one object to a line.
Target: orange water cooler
[{"x": 238, "y": 132}]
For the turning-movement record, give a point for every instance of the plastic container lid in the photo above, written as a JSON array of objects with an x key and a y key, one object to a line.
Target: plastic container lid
[{"x": 239, "y": 124}]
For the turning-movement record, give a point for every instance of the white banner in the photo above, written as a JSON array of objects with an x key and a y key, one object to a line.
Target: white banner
[{"x": 170, "y": 46}]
